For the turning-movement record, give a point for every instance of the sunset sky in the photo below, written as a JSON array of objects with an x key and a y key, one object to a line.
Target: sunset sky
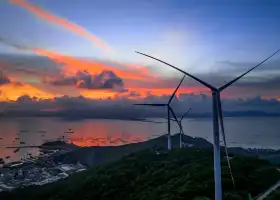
[{"x": 86, "y": 48}]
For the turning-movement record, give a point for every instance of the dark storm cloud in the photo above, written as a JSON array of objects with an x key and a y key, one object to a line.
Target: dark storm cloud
[
  {"x": 80, "y": 107},
  {"x": 83, "y": 79}
]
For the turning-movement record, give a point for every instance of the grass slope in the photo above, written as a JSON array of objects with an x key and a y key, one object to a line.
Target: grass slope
[
  {"x": 99, "y": 155},
  {"x": 179, "y": 174}
]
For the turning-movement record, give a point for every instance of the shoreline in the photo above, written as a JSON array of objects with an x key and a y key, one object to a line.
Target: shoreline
[
  {"x": 50, "y": 146},
  {"x": 62, "y": 159}
]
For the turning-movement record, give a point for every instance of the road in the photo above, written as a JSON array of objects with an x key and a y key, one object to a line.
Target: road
[{"x": 268, "y": 191}]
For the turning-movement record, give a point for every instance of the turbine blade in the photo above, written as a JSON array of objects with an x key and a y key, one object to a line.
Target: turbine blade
[
  {"x": 220, "y": 114},
  {"x": 239, "y": 77},
  {"x": 195, "y": 78},
  {"x": 172, "y": 96},
  {"x": 185, "y": 115},
  {"x": 147, "y": 104}
]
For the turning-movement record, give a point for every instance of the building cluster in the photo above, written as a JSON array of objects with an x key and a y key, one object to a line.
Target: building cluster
[{"x": 23, "y": 174}]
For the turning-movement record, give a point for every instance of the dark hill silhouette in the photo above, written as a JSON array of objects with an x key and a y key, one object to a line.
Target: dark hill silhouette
[
  {"x": 177, "y": 174},
  {"x": 103, "y": 154}
]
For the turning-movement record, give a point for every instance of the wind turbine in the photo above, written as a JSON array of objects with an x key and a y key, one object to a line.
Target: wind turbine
[
  {"x": 181, "y": 127},
  {"x": 179, "y": 122},
  {"x": 169, "y": 109},
  {"x": 217, "y": 116}
]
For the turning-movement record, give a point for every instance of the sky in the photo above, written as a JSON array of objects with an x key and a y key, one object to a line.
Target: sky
[{"x": 53, "y": 49}]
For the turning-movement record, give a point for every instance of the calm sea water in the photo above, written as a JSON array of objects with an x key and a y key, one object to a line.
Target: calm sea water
[{"x": 243, "y": 132}]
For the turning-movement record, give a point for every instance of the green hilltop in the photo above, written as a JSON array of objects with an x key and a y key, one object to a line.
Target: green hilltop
[{"x": 157, "y": 174}]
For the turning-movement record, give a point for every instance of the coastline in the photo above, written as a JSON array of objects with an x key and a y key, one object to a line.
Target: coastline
[{"x": 67, "y": 159}]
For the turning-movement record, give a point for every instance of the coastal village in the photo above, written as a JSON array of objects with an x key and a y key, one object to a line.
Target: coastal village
[{"x": 38, "y": 170}]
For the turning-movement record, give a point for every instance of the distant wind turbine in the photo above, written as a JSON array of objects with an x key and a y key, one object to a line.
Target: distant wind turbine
[
  {"x": 217, "y": 116},
  {"x": 179, "y": 122},
  {"x": 181, "y": 128},
  {"x": 169, "y": 109}
]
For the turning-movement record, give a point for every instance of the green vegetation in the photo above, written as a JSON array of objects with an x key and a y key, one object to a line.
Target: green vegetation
[{"x": 179, "y": 174}]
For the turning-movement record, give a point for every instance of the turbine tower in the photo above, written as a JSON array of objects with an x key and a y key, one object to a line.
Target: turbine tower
[
  {"x": 169, "y": 109},
  {"x": 217, "y": 116}
]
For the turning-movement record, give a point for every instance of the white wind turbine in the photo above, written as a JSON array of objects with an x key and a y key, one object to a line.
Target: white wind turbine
[
  {"x": 217, "y": 116},
  {"x": 179, "y": 122},
  {"x": 169, "y": 109}
]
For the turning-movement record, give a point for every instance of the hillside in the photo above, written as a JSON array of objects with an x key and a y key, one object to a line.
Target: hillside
[
  {"x": 150, "y": 174},
  {"x": 90, "y": 156},
  {"x": 103, "y": 154}
]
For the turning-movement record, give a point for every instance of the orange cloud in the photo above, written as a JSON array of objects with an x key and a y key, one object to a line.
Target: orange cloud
[
  {"x": 13, "y": 91},
  {"x": 39, "y": 12},
  {"x": 71, "y": 65},
  {"x": 98, "y": 94}
]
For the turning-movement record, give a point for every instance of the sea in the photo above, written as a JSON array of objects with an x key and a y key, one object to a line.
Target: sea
[{"x": 247, "y": 132}]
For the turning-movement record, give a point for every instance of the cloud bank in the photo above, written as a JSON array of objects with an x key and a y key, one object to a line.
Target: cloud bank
[
  {"x": 81, "y": 77},
  {"x": 123, "y": 108}
]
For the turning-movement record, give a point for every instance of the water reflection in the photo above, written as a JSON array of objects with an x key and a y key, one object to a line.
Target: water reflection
[
  {"x": 244, "y": 132},
  {"x": 35, "y": 131},
  {"x": 106, "y": 141}
]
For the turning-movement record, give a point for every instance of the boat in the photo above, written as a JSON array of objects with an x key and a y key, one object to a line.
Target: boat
[{"x": 22, "y": 142}]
